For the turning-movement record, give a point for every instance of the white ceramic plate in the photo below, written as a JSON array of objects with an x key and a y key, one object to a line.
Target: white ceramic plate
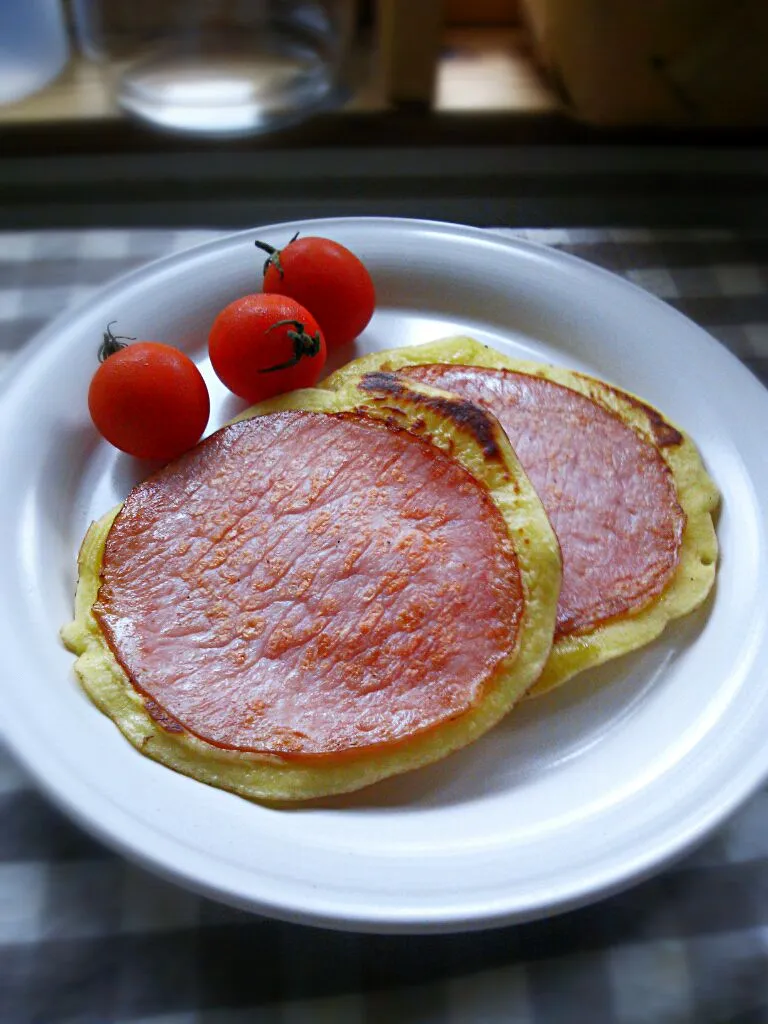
[{"x": 576, "y": 794}]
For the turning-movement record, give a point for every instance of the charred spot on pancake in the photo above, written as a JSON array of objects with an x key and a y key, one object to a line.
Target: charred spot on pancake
[
  {"x": 664, "y": 434},
  {"x": 465, "y": 415},
  {"x": 388, "y": 383}
]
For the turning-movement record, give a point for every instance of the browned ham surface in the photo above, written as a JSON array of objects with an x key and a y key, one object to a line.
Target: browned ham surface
[
  {"x": 609, "y": 494},
  {"x": 308, "y": 585}
]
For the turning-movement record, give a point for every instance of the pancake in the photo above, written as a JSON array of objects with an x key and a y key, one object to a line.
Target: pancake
[
  {"x": 625, "y": 490},
  {"x": 331, "y": 590}
]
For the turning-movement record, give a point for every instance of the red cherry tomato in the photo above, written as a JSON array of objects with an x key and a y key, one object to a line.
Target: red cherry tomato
[
  {"x": 326, "y": 279},
  {"x": 148, "y": 399},
  {"x": 263, "y": 345}
]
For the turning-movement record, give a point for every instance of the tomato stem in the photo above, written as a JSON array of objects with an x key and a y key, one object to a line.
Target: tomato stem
[
  {"x": 274, "y": 255},
  {"x": 303, "y": 344},
  {"x": 111, "y": 343}
]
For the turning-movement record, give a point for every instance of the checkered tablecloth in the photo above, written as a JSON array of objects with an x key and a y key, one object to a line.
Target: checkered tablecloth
[{"x": 86, "y": 938}]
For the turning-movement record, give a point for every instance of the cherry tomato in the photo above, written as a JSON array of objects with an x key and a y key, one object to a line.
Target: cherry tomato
[
  {"x": 148, "y": 399},
  {"x": 328, "y": 280},
  {"x": 263, "y": 345}
]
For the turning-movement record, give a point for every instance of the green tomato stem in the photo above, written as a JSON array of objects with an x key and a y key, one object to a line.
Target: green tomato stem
[
  {"x": 303, "y": 344},
  {"x": 273, "y": 256},
  {"x": 111, "y": 343}
]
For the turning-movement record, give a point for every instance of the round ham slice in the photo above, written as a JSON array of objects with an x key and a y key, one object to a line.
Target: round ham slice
[
  {"x": 306, "y": 585},
  {"x": 609, "y": 494}
]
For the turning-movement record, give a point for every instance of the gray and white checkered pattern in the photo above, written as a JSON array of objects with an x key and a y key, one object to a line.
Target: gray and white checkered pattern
[{"x": 86, "y": 938}]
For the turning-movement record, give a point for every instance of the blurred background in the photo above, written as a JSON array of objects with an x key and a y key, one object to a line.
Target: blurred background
[{"x": 228, "y": 113}]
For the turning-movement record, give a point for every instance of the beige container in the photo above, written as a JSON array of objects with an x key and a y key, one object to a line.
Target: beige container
[{"x": 687, "y": 62}]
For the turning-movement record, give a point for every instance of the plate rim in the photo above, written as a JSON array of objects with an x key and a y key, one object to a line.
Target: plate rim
[{"x": 357, "y": 918}]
